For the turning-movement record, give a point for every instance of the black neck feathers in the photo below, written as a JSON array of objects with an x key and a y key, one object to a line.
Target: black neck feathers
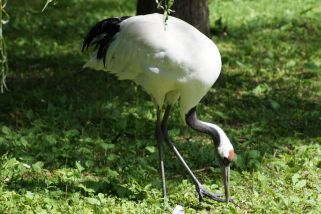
[{"x": 194, "y": 123}]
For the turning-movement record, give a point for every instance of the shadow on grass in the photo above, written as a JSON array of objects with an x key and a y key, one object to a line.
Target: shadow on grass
[
  {"x": 268, "y": 77},
  {"x": 62, "y": 22},
  {"x": 58, "y": 116},
  {"x": 86, "y": 188}
]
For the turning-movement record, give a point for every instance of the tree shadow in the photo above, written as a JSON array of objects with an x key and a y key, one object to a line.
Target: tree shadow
[
  {"x": 277, "y": 88},
  {"x": 67, "y": 116}
]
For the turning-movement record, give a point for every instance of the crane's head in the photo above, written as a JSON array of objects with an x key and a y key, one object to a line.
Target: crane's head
[
  {"x": 225, "y": 154},
  {"x": 224, "y": 148}
]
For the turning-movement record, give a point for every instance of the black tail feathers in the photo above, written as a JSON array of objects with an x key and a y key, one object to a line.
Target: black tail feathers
[{"x": 101, "y": 35}]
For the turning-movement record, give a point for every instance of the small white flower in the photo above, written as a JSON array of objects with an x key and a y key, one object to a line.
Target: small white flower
[{"x": 178, "y": 210}]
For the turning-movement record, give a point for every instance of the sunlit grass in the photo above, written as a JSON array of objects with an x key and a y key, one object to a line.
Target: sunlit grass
[{"x": 80, "y": 141}]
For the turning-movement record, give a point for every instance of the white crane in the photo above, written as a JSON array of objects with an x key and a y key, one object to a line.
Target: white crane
[{"x": 176, "y": 62}]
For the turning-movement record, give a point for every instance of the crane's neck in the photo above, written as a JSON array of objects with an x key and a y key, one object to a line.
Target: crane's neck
[{"x": 198, "y": 125}]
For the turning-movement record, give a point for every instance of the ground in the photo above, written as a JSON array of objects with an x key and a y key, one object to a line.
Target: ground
[{"x": 80, "y": 141}]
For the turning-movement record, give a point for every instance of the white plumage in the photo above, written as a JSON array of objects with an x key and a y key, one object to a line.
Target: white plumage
[{"x": 178, "y": 61}]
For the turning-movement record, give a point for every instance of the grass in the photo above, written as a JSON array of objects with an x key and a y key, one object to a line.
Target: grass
[{"x": 83, "y": 142}]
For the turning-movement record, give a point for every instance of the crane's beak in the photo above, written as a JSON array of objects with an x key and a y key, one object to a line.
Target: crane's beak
[{"x": 226, "y": 181}]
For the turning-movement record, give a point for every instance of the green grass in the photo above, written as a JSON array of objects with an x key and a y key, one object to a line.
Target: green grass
[{"x": 83, "y": 142}]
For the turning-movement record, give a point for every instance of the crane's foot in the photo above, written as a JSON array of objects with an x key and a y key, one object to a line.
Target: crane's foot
[{"x": 202, "y": 192}]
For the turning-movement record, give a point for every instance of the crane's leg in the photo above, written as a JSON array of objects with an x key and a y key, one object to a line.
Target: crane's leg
[
  {"x": 199, "y": 187},
  {"x": 160, "y": 139}
]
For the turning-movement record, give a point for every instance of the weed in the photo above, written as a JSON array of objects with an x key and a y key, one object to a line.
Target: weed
[{"x": 80, "y": 141}]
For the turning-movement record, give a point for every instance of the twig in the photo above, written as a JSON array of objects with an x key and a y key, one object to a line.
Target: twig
[
  {"x": 165, "y": 5},
  {"x": 3, "y": 51}
]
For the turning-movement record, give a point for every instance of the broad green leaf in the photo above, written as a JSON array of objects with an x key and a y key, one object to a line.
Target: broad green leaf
[
  {"x": 88, "y": 190},
  {"x": 37, "y": 166},
  {"x": 112, "y": 173},
  {"x": 23, "y": 141},
  {"x": 300, "y": 184},
  {"x": 89, "y": 163},
  {"x": 5, "y": 130},
  {"x": 107, "y": 146},
  {"x": 79, "y": 166},
  {"x": 151, "y": 149},
  {"x": 295, "y": 178},
  {"x": 261, "y": 90},
  {"x": 29, "y": 195},
  {"x": 93, "y": 201}
]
